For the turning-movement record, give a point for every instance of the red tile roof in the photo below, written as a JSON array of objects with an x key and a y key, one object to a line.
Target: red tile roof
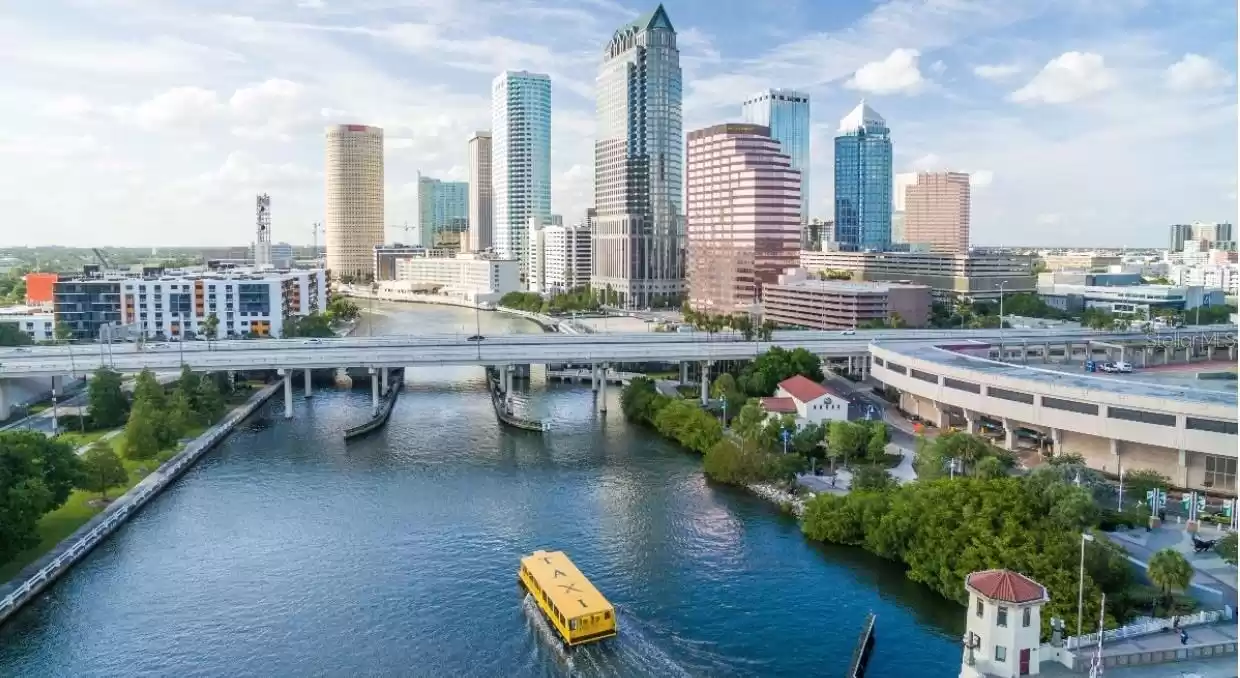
[
  {"x": 803, "y": 388},
  {"x": 1006, "y": 586},
  {"x": 780, "y": 405}
]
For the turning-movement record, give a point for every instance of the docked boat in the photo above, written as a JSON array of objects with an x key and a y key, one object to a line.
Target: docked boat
[{"x": 575, "y": 609}]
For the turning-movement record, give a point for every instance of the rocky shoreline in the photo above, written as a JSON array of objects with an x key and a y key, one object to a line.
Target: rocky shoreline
[{"x": 784, "y": 499}]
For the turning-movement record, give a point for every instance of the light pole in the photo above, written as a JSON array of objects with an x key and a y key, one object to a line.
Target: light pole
[
  {"x": 1120, "y": 504},
  {"x": 1001, "y": 286},
  {"x": 1080, "y": 587}
]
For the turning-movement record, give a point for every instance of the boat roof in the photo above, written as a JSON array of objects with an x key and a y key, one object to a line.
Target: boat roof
[{"x": 570, "y": 591}]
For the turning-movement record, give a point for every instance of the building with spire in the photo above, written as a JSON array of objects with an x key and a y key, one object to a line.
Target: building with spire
[
  {"x": 638, "y": 233},
  {"x": 863, "y": 181},
  {"x": 786, "y": 113}
]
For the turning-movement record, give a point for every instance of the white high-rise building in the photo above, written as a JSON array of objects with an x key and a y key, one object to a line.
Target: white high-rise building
[
  {"x": 354, "y": 190},
  {"x": 480, "y": 202},
  {"x": 520, "y": 158}
]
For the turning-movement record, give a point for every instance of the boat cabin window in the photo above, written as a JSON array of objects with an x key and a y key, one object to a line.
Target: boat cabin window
[
  {"x": 572, "y": 625},
  {"x": 607, "y": 614}
]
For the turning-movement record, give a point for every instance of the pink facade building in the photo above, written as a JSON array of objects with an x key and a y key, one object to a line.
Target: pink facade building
[
  {"x": 743, "y": 216},
  {"x": 937, "y": 212}
]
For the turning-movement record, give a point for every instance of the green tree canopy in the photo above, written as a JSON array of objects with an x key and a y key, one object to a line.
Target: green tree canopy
[
  {"x": 101, "y": 469},
  {"x": 12, "y": 335},
  {"x": 762, "y": 376},
  {"x": 181, "y": 415},
  {"x": 1170, "y": 571},
  {"x": 36, "y": 476},
  {"x": 108, "y": 404},
  {"x": 209, "y": 401},
  {"x": 142, "y": 439}
]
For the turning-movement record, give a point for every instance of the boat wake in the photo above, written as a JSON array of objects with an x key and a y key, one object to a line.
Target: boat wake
[{"x": 638, "y": 649}]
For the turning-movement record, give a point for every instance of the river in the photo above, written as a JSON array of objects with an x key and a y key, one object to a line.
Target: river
[{"x": 287, "y": 553}]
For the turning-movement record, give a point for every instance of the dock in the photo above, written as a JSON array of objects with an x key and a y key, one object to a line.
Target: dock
[
  {"x": 503, "y": 406},
  {"x": 386, "y": 403},
  {"x": 861, "y": 653}
]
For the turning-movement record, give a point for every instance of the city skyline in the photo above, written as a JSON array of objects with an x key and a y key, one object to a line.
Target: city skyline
[{"x": 206, "y": 109}]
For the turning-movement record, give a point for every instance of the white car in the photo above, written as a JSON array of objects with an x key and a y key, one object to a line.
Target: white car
[
  {"x": 848, "y": 332},
  {"x": 1122, "y": 367},
  {"x": 313, "y": 341}
]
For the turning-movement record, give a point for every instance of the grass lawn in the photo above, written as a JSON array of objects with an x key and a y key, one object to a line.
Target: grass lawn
[
  {"x": 38, "y": 407},
  {"x": 79, "y": 439},
  {"x": 58, "y": 524}
]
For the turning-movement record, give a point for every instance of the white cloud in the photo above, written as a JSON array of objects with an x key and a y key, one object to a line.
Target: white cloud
[
  {"x": 981, "y": 178},
  {"x": 1195, "y": 72},
  {"x": 176, "y": 108},
  {"x": 1049, "y": 219},
  {"x": 70, "y": 107},
  {"x": 898, "y": 73},
  {"x": 938, "y": 67},
  {"x": 1066, "y": 78},
  {"x": 927, "y": 163},
  {"x": 996, "y": 72}
]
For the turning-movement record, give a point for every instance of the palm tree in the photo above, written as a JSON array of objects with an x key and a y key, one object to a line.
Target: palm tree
[
  {"x": 1170, "y": 571},
  {"x": 766, "y": 330}
]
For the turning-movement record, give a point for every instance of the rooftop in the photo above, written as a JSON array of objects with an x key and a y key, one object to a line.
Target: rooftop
[
  {"x": 569, "y": 590},
  {"x": 860, "y": 117},
  {"x": 780, "y": 405},
  {"x": 1006, "y": 586},
  {"x": 803, "y": 388}
]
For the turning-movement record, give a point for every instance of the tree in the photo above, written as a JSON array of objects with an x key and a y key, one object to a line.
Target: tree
[
  {"x": 762, "y": 376},
  {"x": 11, "y": 335},
  {"x": 872, "y": 479},
  {"x": 725, "y": 388},
  {"x": 1226, "y": 548},
  {"x": 211, "y": 326},
  {"x": 749, "y": 421},
  {"x": 210, "y": 402},
  {"x": 188, "y": 384},
  {"x": 876, "y": 447},
  {"x": 1170, "y": 572},
  {"x": 766, "y": 330},
  {"x": 181, "y": 414},
  {"x": 743, "y": 323},
  {"x": 146, "y": 388},
  {"x": 142, "y": 433},
  {"x": 848, "y": 439},
  {"x": 1139, "y": 481},
  {"x": 101, "y": 469},
  {"x": 807, "y": 441},
  {"x": 63, "y": 332},
  {"x": 107, "y": 399},
  {"x": 37, "y": 474},
  {"x": 989, "y": 467}
]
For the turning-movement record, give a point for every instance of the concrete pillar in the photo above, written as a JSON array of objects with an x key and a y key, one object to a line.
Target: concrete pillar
[
  {"x": 1182, "y": 470},
  {"x": 944, "y": 419},
  {"x": 1009, "y": 431},
  {"x": 594, "y": 377},
  {"x": 288, "y": 394},
  {"x": 1231, "y": 352},
  {"x": 1057, "y": 441},
  {"x": 383, "y": 379},
  {"x": 602, "y": 392},
  {"x": 684, "y": 372},
  {"x": 705, "y": 381},
  {"x": 306, "y": 378},
  {"x": 508, "y": 372},
  {"x": 850, "y": 366},
  {"x": 865, "y": 367},
  {"x": 6, "y": 407},
  {"x": 374, "y": 390},
  {"x": 1046, "y": 352},
  {"x": 972, "y": 422},
  {"x": 1167, "y": 350},
  {"x": 1115, "y": 458}
]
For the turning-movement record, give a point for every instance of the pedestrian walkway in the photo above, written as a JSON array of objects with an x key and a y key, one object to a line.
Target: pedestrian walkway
[
  {"x": 102, "y": 439},
  {"x": 1213, "y": 575}
]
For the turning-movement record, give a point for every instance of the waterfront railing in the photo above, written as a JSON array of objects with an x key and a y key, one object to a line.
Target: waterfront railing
[{"x": 1150, "y": 627}]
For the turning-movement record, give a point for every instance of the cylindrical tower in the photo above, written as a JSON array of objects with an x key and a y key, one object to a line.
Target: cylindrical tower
[{"x": 354, "y": 190}]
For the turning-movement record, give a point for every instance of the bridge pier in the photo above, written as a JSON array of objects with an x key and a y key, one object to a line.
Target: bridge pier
[
  {"x": 383, "y": 379},
  {"x": 684, "y": 372},
  {"x": 705, "y": 382},
  {"x": 594, "y": 377},
  {"x": 508, "y": 372},
  {"x": 6, "y": 407},
  {"x": 374, "y": 391},
  {"x": 288, "y": 393},
  {"x": 602, "y": 393},
  {"x": 306, "y": 377}
]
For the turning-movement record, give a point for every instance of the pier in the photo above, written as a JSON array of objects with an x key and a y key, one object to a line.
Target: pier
[
  {"x": 380, "y": 416},
  {"x": 501, "y": 388}
]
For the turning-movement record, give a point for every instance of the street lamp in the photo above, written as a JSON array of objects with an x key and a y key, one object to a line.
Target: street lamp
[
  {"x": 1001, "y": 286},
  {"x": 1080, "y": 587}
]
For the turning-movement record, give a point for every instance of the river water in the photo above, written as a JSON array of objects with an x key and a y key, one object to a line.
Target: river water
[{"x": 287, "y": 553}]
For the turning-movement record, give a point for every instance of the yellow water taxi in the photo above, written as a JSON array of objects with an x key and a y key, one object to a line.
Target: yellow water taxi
[{"x": 576, "y": 610}]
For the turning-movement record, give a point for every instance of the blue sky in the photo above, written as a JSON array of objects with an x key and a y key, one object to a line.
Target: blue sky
[{"x": 153, "y": 122}]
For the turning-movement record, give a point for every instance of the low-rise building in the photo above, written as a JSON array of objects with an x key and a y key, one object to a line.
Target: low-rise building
[
  {"x": 468, "y": 277},
  {"x": 177, "y": 306},
  {"x": 1224, "y": 277},
  {"x": 1132, "y": 300},
  {"x": 949, "y": 276},
  {"x": 800, "y": 301},
  {"x": 1080, "y": 261},
  {"x": 809, "y": 402},
  {"x": 36, "y": 323},
  {"x": 386, "y": 256}
]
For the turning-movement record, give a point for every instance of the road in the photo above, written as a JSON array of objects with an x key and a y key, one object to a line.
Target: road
[{"x": 396, "y": 351}]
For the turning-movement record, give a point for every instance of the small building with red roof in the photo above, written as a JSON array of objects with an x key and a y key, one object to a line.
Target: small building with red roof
[
  {"x": 807, "y": 400},
  {"x": 1004, "y": 629}
]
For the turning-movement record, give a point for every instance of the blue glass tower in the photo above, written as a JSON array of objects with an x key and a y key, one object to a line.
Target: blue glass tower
[
  {"x": 786, "y": 113},
  {"x": 442, "y": 206},
  {"x": 863, "y": 177}
]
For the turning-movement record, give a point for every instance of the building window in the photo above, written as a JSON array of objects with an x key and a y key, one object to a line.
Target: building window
[
  {"x": 1000, "y": 653},
  {"x": 1220, "y": 473},
  {"x": 924, "y": 376},
  {"x": 961, "y": 385},
  {"x": 980, "y": 607},
  {"x": 1026, "y": 617},
  {"x": 1014, "y": 396},
  {"x": 1002, "y": 618},
  {"x": 1069, "y": 405},
  {"x": 1212, "y": 425},
  {"x": 1141, "y": 416}
]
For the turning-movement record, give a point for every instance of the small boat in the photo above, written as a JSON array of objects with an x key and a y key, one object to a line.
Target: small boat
[{"x": 575, "y": 609}]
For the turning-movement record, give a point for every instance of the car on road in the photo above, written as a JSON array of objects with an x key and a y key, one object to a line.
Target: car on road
[
  {"x": 476, "y": 337},
  {"x": 848, "y": 332},
  {"x": 312, "y": 341}
]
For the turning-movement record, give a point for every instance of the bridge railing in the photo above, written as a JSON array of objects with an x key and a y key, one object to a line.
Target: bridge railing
[{"x": 1150, "y": 627}]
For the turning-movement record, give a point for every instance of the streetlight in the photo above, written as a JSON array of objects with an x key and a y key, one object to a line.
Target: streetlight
[
  {"x": 1120, "y": 504},
  {"x": 1001, "y": 286},
  {"x": 1080, "y": 588}
]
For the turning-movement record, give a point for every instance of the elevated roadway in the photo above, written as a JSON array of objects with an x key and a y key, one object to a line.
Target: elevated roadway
[{"x": 456, "y": 349}]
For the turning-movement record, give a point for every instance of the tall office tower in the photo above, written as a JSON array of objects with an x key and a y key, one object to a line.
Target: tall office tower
[
  {"x": 443, "y": 207},
  {"x": 262, "y": 235},
  {"x": 1213, "y": 232},
  {"x": 638, "y": 166},
  {"x": 743, "y": 225},
  {"x": 520, "y": 158},
  {"x": 786, "y": 113},
  {"x": 901, "y": 184},
  {"x": 937, "y": 212},
  {"x": 354, "y": 188},
  {"x": 863, "y": 179},
  {"x": 1180, "y": 234},
  {"x": 480, "y": 208}
]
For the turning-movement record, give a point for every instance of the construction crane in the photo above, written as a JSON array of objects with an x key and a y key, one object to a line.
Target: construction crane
[
  {"x": 404, "y": 227},
  {"x": 103, "y": 261}
]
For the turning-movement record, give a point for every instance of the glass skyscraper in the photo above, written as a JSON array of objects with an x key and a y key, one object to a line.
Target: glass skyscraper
[
  {"x": 520, "y": 159},
  {"x": 442, "y": 206},
  {"x": 786, "y": 113},
  {"x": 638, "y": 234},
  {"x": 863, "y": 178}
]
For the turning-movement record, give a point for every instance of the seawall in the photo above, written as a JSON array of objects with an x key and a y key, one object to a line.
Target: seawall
[{"x": 43, "y": 572}]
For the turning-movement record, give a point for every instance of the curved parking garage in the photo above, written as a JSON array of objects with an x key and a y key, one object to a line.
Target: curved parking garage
[{"x": 1114, "y": 422}]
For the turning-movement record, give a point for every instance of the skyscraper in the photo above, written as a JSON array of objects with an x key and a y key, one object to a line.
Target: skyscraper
[
  {"x": 863, "y": 179},
  {"x": 520, "y": 158},
  {"x": 354, "y": 190},
  {"x": 743, "y": 221},
  {"x": 938, "y": 212},
  {"x": 786, "y": 113},
  {"x": 902, "y": 182},
  {"x": 638, "y": 166},
  {"x": 480, "y": 208},
  {"x": 1180, "y": 234},
  {"x": 443, "y": 206}
]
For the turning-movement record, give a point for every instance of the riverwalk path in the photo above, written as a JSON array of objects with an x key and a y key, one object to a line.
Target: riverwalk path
[{"x": 1213, "y": 576}]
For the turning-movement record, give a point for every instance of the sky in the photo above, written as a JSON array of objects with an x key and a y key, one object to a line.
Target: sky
[{"x": 156, "y": 122}]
